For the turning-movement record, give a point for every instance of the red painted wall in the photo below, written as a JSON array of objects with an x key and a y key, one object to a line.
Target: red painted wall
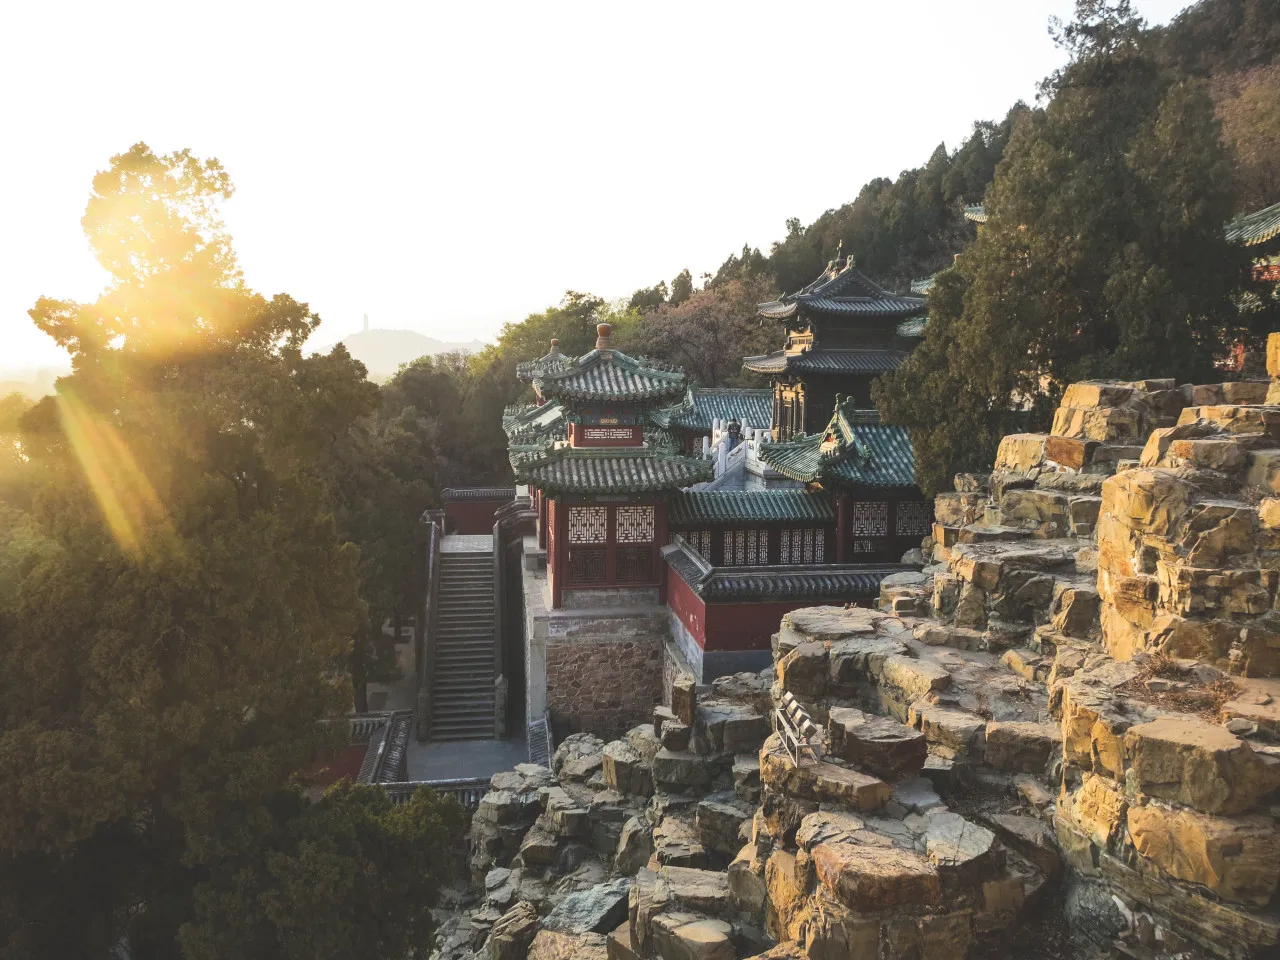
[
  {"x": 727, "y": 626},
  {"x": 471, "y": 516}
]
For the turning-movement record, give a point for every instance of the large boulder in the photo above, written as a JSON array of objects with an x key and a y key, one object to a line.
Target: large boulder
[
  {"x": 635, "y": 846},
  {"x": 819, "y": 780},
  {"x": 595, "y": 910},
  {"x": 511, "y": 935},
  {"x": 688, "y": 936},
  {"x": 625, "y": 769},
  {"x": 884, "y": 747},
  {"x": 550, "y": 945},
  {"x": 1237, "y": 858},
  {"x": 1196, "y": 763},
  {"x": 719, "y": 820},
  {"x": 1019, "y": 746},
  {"x": 962, "y": 850},
  {"x": 865, "y": 877}
]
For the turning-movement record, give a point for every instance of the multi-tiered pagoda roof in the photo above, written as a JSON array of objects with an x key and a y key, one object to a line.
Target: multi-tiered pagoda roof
[
  {"x": 820, "y": 316},
  {"x": 604, "y": 390}
]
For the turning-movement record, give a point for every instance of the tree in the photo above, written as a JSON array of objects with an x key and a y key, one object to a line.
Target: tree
[
  {"x": 182, "y": 607},
  {"x": 681, "y": 288},
  {"x": 1103, "y": 255},
  {"x": 708, "y": 333},
  {"x": 647, "y": 298}
]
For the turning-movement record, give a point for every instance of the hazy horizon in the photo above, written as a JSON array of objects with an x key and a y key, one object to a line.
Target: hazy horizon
[{"x": 384, "y": 165}]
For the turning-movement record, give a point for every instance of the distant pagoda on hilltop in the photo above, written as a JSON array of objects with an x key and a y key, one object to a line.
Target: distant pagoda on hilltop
[{"x": 843, "y": 331}]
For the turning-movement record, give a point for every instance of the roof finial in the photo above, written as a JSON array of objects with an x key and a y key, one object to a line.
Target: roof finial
[
  {"x": 840, "y": 249},
  {"x": 602, "y": 336}
]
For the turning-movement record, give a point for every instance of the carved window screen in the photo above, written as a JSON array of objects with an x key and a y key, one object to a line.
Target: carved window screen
[
  {"x": 871, "y": 518},
  {"x": 588, "y": 524},
  {"x": 700, "y": 540},
  {"x": 913, "y": 518},
  {"x": 634, "y": 524},
  {"x": 735, "y": 548},
  {"x": 807, "y": 545}
]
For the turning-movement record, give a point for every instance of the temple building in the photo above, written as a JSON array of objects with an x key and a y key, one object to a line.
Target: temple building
[
  {"x": 601, "y": 489},
  {"x": 843, "y": 331}
]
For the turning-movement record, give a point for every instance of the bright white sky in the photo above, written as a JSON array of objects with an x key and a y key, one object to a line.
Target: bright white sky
[{"x": 450, "y": 166}]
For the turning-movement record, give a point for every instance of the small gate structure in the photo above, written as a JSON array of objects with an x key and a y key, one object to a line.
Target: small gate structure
[{"x": 792, "y": 724}]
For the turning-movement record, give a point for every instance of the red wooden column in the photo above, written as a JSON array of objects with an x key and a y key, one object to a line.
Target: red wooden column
[
  {"x": 842, "y": 527},
  {"x": 557, "y": 551},
  {"x": 542, "y": 519},
  {"x": 660, "y": 541}
]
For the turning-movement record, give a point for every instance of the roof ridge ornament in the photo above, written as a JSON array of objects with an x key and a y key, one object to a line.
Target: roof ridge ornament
[{"x": 604, "y": 339}]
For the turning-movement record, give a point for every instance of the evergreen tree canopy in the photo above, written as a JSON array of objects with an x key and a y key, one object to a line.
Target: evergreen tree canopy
[{"x": 1103, "y": 254}]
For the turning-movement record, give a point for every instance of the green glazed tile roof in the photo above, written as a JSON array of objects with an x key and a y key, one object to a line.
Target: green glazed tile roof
[
  {"x": 922, "y": 287},
  {"x": 564, "y": 469},
  {"x": 913, "y": 327},
  {"x": 975, "y": 212},
  {"x": 693, "y": 509},
  {"x": 702, "y": 405},
  {"x": 602, "y": 375},
  {"x": 855, "y": 450},
  {"x": 526, "y": 423},
  {"x": 867, "y": 361},
  {"x": 1251, "y": 229},
  {"x": 820, "y": 582},
  {"x": 843, "y": 290}
]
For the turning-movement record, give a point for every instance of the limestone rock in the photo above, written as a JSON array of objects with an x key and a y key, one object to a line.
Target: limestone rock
[
  {"x": 596, "y": 910},
  {"x": 635, "y": 846},
  {"x": 723, "y": 727},
  {"x": 804, "y": 670},
  {"x": 538, "y": 847},
  {"x": 1020, "y": 452},
  {"x": 1019, "y": 746},
  {"x": 676, "y": 843},
  {"x": 549, "y": 945},
  {"x": 675, "y": 736},
  {"x": 860, "y": 659},
  {"x": 706, "y": 891},
  {"x": 681, "y": 770},
  {"x": 820, "y": 624},
  {"x": 1196, "y": 763},
  {"x": 684, "y": 699},
  {"x": 819, "y": 780},
  {"x": 1097, "y": 810},
  {"x": 511, "y": 935},
  {"x": 875, "y": 877},
  {"x": 644, "y": 740},
  {"x": 914, "y": 678},
  {"x": 1150, "y": 501},
  {"x": 578, "y": 757},
  {"x": 746, "y": 880},
  {"x": 625, "y": 770},
  {"x": 959, "y": 732},
  {"x": 884, "y": 747},
  {"x": 719, "y": 818},
  {"x": 687, "y": 936},
  {"x": 1237, "y": 858},
  {"x": 961, "y": 849}
]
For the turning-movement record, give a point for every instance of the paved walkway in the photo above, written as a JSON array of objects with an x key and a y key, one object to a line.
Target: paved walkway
[
  {"x": 458, "y": 759},
  {"x": 467, "y": 543}
]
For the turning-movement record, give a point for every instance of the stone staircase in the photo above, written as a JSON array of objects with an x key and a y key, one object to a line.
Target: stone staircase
[{"x": 462, "y": 683}]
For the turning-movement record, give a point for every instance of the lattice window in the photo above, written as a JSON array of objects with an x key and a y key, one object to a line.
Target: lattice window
[
  {"x": 808, "y": 545},
  {"x": 871, "y": 519},
  {"x": 634, "y": 565},
  {"x": 634, "y": 524},
  {"x": 757, "y": 548},
  {"x": 700, "y": 540},
  {"x": 588, "y": 524},
  {"x": 814, "y": 546},
  {"x": 864, "y": 546},
  {"x": 914, "y": 518},
  {"x": 586, "y": 565},
  {"x": 789, "y": 547},
  {"x": 735, "y": 548}
]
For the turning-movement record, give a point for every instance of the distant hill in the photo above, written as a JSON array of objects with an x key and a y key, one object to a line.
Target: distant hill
[
  {"x": 383, "y": 351},
  {"x": 29, "y": 382}
]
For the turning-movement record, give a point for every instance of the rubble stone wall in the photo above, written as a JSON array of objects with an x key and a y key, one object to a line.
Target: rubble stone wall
[{"x": 604, "y": 686}]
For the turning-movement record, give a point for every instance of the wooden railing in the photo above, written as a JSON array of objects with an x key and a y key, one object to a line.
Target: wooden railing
[{"x": 467, "y": 792}]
